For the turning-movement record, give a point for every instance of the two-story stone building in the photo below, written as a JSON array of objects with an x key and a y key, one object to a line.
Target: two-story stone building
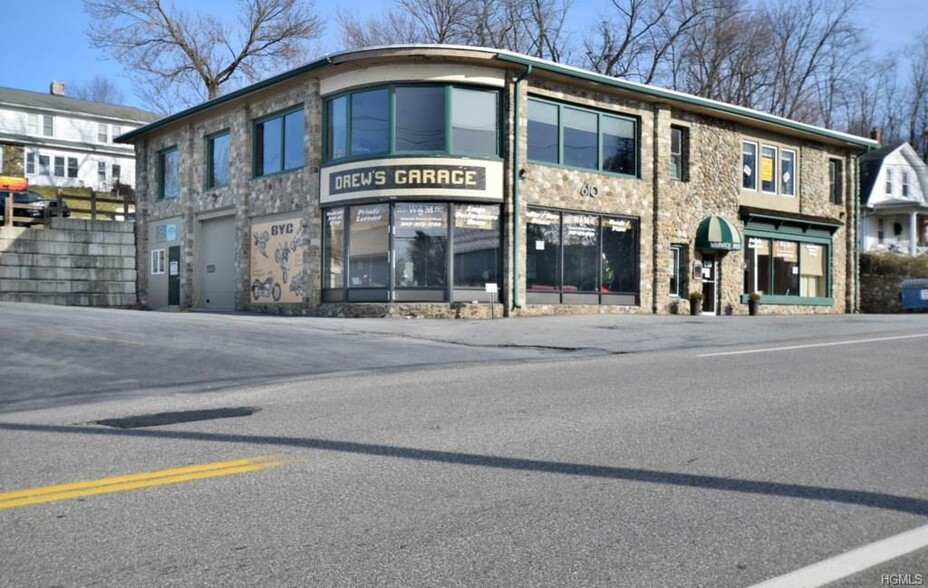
[{"x": 418, "y": 179}]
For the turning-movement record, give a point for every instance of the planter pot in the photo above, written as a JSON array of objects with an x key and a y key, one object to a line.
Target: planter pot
[
  {"x": 695, "y": 306},
  {"x": 752, "y": 307}
]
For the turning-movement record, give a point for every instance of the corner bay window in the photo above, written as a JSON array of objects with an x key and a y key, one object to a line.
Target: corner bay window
[
  {"x": 412, "y": 119},
  {"x": 582, "y": 138},
  {"x": 581, "y": 258},
  {"x": 409, "y": 251}
]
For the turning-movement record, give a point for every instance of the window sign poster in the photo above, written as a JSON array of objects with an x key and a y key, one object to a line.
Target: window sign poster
[
  {"x": 277, "y": 260},
  {"x": 766, "y": 169}
]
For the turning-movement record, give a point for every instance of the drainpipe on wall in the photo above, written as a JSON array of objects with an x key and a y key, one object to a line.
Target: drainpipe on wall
[
  {"x": 516, "y": 163},
  {"x": 856, "y": 242}
]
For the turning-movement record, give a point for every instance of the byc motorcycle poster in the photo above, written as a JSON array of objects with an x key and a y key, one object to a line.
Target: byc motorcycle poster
[{"x": 277, "y": 261}]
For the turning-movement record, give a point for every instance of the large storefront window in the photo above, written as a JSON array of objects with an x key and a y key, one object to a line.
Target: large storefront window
[
  {"x": 412, "y": 119},
  {"x": 812, "y": 268},
  {"x": 410, "y": 251},
  {"x": 333, "y": 251},
  {"x": 476, "y": 245},
  {"x": 581, "y": 253},
  {"x": 779, "y": 268},
  {"x": 543, "y": 258},
  {"x": 369, "y": 247},
  {"x": 421, "y": 245},
  {"x": 581, "y": 258}
]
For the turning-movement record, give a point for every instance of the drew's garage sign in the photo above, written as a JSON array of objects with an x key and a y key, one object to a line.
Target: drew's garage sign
[{"x": 412, "y": 178}]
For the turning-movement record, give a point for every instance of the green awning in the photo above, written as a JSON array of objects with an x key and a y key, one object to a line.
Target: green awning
[{"x": 716, "y": 233}]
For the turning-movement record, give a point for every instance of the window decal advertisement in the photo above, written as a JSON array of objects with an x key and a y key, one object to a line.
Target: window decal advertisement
[{"x": 277, "y": 261}]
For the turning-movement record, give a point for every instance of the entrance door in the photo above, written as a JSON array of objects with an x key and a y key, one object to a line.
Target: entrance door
[
  {"x": 217, "y": 264},
  {"x": 709, "y": 283},
  {"x": 174, "y": 276}
]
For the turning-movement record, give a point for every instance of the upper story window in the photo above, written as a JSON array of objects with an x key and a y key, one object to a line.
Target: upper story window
[
  {"x": 48, "y": 125},
  {"x": 217, "y": 160},
  {"x": 787, "y": 172},
  {"x": 835, "y": 181},
  {"x": 679, "y": 153},
  {"x": 889, "y": 180},
  {"x": 167, "y": 174},
  {"x": 905, "y": 183},
  {"x": 279, "y": 142},
  {"x": 102, "y": 133},
  {"x": 32, "y": 124},
  {"x": 749, "y": 166},
  {"x": 774, "y": 172},
  {"x": 117, "y": 130},
  {"x": 578, "y": 137},
  {"x": 412, "y": 119}
]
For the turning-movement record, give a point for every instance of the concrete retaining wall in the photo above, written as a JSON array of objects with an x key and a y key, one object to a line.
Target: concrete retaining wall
[{"x": 72, "y": 262}]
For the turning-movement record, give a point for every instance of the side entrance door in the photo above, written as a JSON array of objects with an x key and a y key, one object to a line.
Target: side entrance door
[
  {"x": 709, "y": 283},
  {"x": 174, "y": 275}
]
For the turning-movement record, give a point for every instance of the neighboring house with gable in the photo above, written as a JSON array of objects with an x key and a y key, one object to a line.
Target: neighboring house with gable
[
  {"x": 894, "y": 200},
  {"x": 55, "y": 140}
]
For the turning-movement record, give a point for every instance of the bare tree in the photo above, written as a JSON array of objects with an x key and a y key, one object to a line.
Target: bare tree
[
  {"x": 393, "y": 27},
  {"x": 636, "y": 40},
  {"x": 917, "y": 96},
  {"x": 534, "y": 27},
  {"x": 98, "y": 89},
  {"x": 194, "y": 56},
  {"x": 723, "y": 57}
]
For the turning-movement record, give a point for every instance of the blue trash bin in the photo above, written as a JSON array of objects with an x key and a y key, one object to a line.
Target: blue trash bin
[{"x": 914, "y": 294}]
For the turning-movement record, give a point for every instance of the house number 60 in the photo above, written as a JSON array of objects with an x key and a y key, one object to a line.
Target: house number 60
[{"x": 589, "y": 191}]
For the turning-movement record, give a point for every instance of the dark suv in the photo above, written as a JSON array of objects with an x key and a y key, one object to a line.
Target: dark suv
[{"x": 32, "y": 207}]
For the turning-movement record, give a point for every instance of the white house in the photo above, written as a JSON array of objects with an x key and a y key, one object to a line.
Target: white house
[
  {"x": 56, "y": 140},
  {"x": 894, "y": 200}
]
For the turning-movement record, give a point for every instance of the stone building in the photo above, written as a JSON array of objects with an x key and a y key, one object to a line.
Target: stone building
[{"x": 418, "y": 180}]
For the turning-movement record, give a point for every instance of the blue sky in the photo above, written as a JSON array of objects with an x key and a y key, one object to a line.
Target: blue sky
[{"x": 44, "y": 40}]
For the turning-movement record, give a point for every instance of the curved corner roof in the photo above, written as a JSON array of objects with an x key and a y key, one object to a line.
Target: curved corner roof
[{"x": 510, "y": 59}]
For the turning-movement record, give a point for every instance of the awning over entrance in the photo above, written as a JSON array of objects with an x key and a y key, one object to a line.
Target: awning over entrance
[{"x": 716, "y": 233}]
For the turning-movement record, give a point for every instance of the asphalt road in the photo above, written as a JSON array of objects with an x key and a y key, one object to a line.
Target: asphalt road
[{"x": 564, "y": 451}]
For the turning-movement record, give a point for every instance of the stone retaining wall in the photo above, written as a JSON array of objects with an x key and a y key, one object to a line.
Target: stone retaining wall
[
  {"x": 879, "y": 293},
  {"x": 72, "y": 262}
]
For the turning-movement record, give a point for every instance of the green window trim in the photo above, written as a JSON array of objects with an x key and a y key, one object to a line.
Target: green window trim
[
  {"x": 601, "y": 115},
  {"x": 782, "y": 299},
  {"x": 391, "y": 149},
  {"x": 792, "y": 300},
  {"x": 257, "y": 170}
]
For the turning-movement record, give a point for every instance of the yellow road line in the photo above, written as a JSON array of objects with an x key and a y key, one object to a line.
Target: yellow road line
[{"x": 134, "y": 481}]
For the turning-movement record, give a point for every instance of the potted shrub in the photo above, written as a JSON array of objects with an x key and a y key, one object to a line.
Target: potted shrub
[
  {"x": 753, "y": 301},
  {"x": 695, "y": 302}
]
